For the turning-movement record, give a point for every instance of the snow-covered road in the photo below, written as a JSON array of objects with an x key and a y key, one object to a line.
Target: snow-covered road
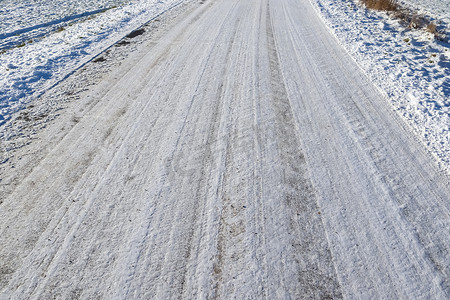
[{"x": 241, "y": 154}]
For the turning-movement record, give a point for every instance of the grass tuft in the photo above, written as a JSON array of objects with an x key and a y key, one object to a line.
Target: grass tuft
[
  {"x": 385, "y": 5},
  {"x": 432, "y": 28}
]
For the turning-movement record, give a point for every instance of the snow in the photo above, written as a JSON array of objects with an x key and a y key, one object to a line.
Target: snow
[
  {"x": 233, "y": 150},
  {"x": 409, "y": 66},
  {"x": 21, "y": 21},
  {"x": 42, "y": 43}
]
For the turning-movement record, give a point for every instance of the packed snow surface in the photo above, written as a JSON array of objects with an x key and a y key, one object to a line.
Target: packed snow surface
[{"x": 227, "y": 149}]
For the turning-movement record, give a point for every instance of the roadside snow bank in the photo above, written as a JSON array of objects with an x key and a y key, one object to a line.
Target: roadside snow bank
[
  {"x": 411, "y": 67},
  {"x": 29, "y": 69}
]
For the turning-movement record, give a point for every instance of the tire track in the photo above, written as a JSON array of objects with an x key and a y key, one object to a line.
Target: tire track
[{"x": 316, "y": 272}]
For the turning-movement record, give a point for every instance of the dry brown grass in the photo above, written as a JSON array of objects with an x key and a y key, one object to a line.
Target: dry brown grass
[
  {"x": 385, "y": 5},
  {"x": 432, "y": 28},
  {"x": 438, "y": 35}
]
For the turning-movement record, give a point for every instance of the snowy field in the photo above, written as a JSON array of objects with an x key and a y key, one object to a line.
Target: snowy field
[
  {"x": 41, "y": 42},
  {"x": 25, "y": 21},
  {"x": 409, "y": 66}
]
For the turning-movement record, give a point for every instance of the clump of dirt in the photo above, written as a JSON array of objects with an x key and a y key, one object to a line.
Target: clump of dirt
[
  {"x": 123, "y": 43},
  {"x": 135, "y": 33},
  {"x": 99, "y": 59}
]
